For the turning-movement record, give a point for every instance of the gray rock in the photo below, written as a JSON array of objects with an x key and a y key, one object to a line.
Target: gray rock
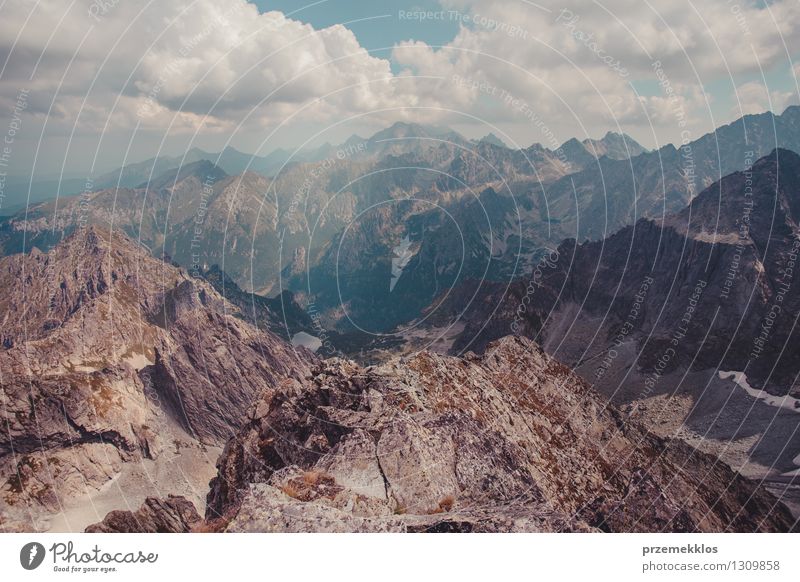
[
  {"x": 170, "y": 515},
  {"x": 113, "y": 357},
  {"x": 508, "y": 441}
]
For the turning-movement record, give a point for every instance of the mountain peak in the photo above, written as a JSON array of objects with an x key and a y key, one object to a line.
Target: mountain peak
[
  {"x": 94, "y": 240},
  {"x": 202, "y": 170},
  {"x": 354, "y": 139},
  {"x": 768, "y": 194},
  {"x": 492, "y": 139},
  {"x": 511, "y": 424},
  {"x": 403, "y": 129},
  {"x": 617, "y": 146}
]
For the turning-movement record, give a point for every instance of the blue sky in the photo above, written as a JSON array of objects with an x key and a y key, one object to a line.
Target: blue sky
[{"x": 375, "y": 24}]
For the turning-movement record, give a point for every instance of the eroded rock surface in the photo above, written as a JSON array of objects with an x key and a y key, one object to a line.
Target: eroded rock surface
[
  {"x": 508, "y": 441},
  {"x": 110, "y": 357},
  {"x": 170, "y": 515}
]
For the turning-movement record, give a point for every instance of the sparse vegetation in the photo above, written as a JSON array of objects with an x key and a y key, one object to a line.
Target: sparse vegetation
[
  {"x": 446, "y": 504},
  {"x": 311, "y": 485}
]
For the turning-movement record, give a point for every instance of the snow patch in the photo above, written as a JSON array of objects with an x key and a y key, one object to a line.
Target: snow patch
[
  {"x": 740, "y": 379},
  {"x": 306, "y": 340}
]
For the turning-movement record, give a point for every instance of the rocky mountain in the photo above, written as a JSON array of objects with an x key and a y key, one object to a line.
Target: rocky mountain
[
  {"x": 508, "y": 441},
  {"x": 174, "y": 514},
  {"x": 118, "y": 369},
  {"x": 601, "y": 198},
  {"x": 123, "y": 374},
  {"x": 687, "y": 323},
  {"x": 135, "y": 174},
  {"x": 328, "y": 230},
  {"x": 281, "y": 315},
  {"x": 616, "y": 146},
  {"x": 199, "y": 215},
  {"x": 492, "y": 139},
  {"x": 230, "y": 160}
]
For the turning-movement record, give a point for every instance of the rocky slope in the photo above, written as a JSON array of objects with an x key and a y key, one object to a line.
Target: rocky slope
[
  {"x": 171, "y": 515},
  {"x": 114, "y": 360},
  {"x": 603, "y": 197},
  {"x": 659, "y": 315},
  {"x": 508, "y": 441}
]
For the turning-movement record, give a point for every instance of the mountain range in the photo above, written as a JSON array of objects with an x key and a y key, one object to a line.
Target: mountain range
[
  {"x": 593, "y": 338},
  {"x": 123, "y": 361},
  {"x": 687, "y": 322},
  {"x": 292, "y": 225}
]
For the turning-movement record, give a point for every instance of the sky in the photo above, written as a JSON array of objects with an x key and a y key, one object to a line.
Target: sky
[{"x": 88, "y": 85}]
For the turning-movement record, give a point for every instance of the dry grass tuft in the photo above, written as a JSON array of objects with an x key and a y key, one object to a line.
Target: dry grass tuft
[{"x": 447, "y": 503}]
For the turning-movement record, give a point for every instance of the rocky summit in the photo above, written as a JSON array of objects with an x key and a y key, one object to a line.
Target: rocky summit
[
  {"x": 511, "y": 440},
  {"x": 121, "y": 375}
]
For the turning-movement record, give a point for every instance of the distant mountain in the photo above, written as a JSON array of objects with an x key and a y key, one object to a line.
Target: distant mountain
[
  {"x": 244, "y": 217},
  {"x": 601, "y": 198},
  {"x": 233, "y": 161},
  {"x": 230, "y": 160},
  {"x": 469, "y": 210},
  {"x": 403, "y": 130},
  {"x": 492, "y": 139},
  {"x": 615, "y": 146},
  {"x": 133, "y": 175}
]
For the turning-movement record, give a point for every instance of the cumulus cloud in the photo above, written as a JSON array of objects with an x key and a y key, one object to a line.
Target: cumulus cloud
[
  {"x": 211, "y": 66},
  {"x": 579, "y": 60},
  {"x": 754, "y": 97},
  {"x": 180, "y": 62}
]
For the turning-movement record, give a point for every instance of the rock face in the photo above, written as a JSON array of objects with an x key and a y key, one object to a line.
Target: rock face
[
  {"x": 276, "y": 233},
  {"x": 508, "y": 441},
  {"x": 112, "y": 357},
  {"x": 606, "y": 195},
  {"x": 170, "y": 515},
  {"x": 655, "y": 315}
]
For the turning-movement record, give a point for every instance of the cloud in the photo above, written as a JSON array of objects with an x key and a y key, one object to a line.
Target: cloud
[
  {"x": 209, "y": 66},
  {"x": 754, "y": 97},
  {"x": 578, "y": 59},
  {"x": 180, "y": 62}
]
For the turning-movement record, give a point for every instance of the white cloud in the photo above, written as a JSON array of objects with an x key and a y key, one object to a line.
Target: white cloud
[
  {"x": 216, "y": 64},
  {"x": 221, "y": 60},
  {"x": 755, "y": 98}
]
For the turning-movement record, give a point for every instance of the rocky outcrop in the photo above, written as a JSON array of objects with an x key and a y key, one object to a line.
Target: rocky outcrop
[
  {"x": 170, "y": 515},
  {"x": 508, "y": 441},
  {"x": 657, "y": 314},
  {"x": 113, "y": 357}
]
